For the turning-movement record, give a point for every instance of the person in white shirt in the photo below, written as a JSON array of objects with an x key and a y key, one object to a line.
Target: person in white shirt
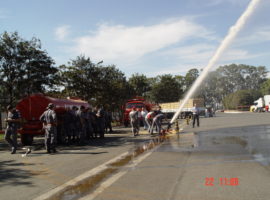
[
  {"x": 144, "y": 112},
  {"x": 196, "y": 113}
]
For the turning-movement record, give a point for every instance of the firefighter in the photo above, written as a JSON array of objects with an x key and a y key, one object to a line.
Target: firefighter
[
  {"x": 196, "y": 113},
  {"x": 134, "y": 121},
  {"x": 13, "y": 122},
  {"x": 68, "y": 126},
  {"x": 93, "y": 120},
  {"x": 89, "y": 127},
  {"x": 100, "y": 120},
  {"x": 149, "y": 120},
  {"x": 82, "y": 115},
  {"x": 74, "y": 124},
  {"x": 49, "y": 120},
  {"x": 157, "y": 121},
  {"x": 108, "y": 121},
  {"x": 144, "y": 112}
]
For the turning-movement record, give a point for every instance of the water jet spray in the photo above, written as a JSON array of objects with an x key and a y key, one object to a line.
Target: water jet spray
[{"x": 234, "y": 30}]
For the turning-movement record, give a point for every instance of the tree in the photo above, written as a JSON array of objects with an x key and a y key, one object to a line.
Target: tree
[
  {"x": 241, "y": 77},
  {"x": 181, "y": 80},
  {"x": 210, "y": 89},
  {"x": 190, "y": 77},
  {"x": 80, "y": 78},
  {"x": 140, "y": 84},
  {"x": 240, "y": 98},
  {"x": 229, "y": 79},
  {"x": 265, "y": 87},
  {"x": 166, "y": 89},
  {"x": 114, "y": 89},
  {"x": 24, "y": 67},
  {"x": 98, "y": 85}
]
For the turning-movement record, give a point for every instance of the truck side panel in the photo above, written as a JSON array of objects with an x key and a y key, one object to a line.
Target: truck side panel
[{"x": 174, "y": 106}]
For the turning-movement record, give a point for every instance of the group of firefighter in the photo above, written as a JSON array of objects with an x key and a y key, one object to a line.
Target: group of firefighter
[
  {"x": 76, "y": 126},
  {"x": 79, "y": 125},
  {"x": 152, "y": 120}
]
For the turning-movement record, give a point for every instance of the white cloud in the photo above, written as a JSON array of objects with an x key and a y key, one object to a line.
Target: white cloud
[
  {"x": 179, "y": 69},
  {"x": 62, "y": 32},
  {"x": 197, "y": 56},
  {"x": 257, "y": 36},
  {"x": 236, "y": 54},
  {"x": 192, "y": 53},
  {"x": 173, "y": 46},
  {"x": 244, "y": 47},
  {"x": 118, "y": 43}
]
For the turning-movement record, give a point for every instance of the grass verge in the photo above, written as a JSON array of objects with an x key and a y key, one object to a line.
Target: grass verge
[{"x": 1, "y": 137}]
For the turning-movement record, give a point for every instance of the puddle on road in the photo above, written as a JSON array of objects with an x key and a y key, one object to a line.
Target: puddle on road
[
  {"x": 256, "y": 146},
  {"x": 88, "y": 185},
  {"x": 261, "y": 159},
  {"x": 230, "y": 140},
  {"x": 181, "y": 142}
]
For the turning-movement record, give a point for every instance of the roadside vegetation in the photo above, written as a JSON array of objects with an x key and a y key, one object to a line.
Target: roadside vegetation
[
  {"x": 26, "y": 68},
  {"x": 1, "y": 137}
]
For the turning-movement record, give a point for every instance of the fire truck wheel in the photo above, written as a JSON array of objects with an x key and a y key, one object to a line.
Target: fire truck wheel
[{"x": 26, "y": 139}]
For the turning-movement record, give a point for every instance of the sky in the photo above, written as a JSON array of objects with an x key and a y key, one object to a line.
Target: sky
[{"x": 151, "y": 37}]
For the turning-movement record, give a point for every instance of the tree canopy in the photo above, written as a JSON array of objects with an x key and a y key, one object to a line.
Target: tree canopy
[
  {"x": 140, "y": 84},
  {"x": 24, "y": 67},
  {"x": 240, "y": 98},
  {"x": 166, "y": 89},
  {"x": 265, "y": 87},
  {"x": 190, "y": 77},
  {"x": 96, "y": 84},
  {"x": 229, "y": 79}
]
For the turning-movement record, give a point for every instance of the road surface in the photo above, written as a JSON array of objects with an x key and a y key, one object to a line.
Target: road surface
[{"x": 227, "y": 157}]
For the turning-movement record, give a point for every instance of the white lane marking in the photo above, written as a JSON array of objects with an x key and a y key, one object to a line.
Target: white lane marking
[
  {"x": 116, "y": 176},
  {"x": 79, "y": 178}
]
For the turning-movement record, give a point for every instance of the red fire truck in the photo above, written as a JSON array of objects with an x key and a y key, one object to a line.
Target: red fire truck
[
  {"x": 32, "y": 107},
  {"x": 137, "y": 102}
]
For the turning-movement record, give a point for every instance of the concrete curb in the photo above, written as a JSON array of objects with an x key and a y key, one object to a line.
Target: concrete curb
[{"x": 60, "y": 189}]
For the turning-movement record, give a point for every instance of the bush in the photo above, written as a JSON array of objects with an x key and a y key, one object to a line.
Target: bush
[{"x": 240, "y": 98}]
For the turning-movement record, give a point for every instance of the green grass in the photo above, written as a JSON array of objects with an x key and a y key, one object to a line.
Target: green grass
[{"x": 1, "y": 137}]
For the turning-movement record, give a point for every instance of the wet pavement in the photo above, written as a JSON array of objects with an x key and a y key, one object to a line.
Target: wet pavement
[{"x": 227, "y": 157}]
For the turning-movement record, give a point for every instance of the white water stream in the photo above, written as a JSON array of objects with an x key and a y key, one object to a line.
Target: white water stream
[{"x": 234, "y": 30}]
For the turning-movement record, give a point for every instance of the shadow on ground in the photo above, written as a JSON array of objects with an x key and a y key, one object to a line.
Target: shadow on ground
[{"x": 11, "y": 173}]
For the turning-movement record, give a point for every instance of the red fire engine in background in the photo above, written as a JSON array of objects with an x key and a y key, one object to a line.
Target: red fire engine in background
[
  {"x": 32, "y": 107},
  {"x": 137, "y": 102}
]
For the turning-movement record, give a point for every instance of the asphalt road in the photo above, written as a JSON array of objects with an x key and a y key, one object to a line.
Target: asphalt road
[
  {"x": 227, "y": 157},
  {"x": 28, "y": 177}
]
